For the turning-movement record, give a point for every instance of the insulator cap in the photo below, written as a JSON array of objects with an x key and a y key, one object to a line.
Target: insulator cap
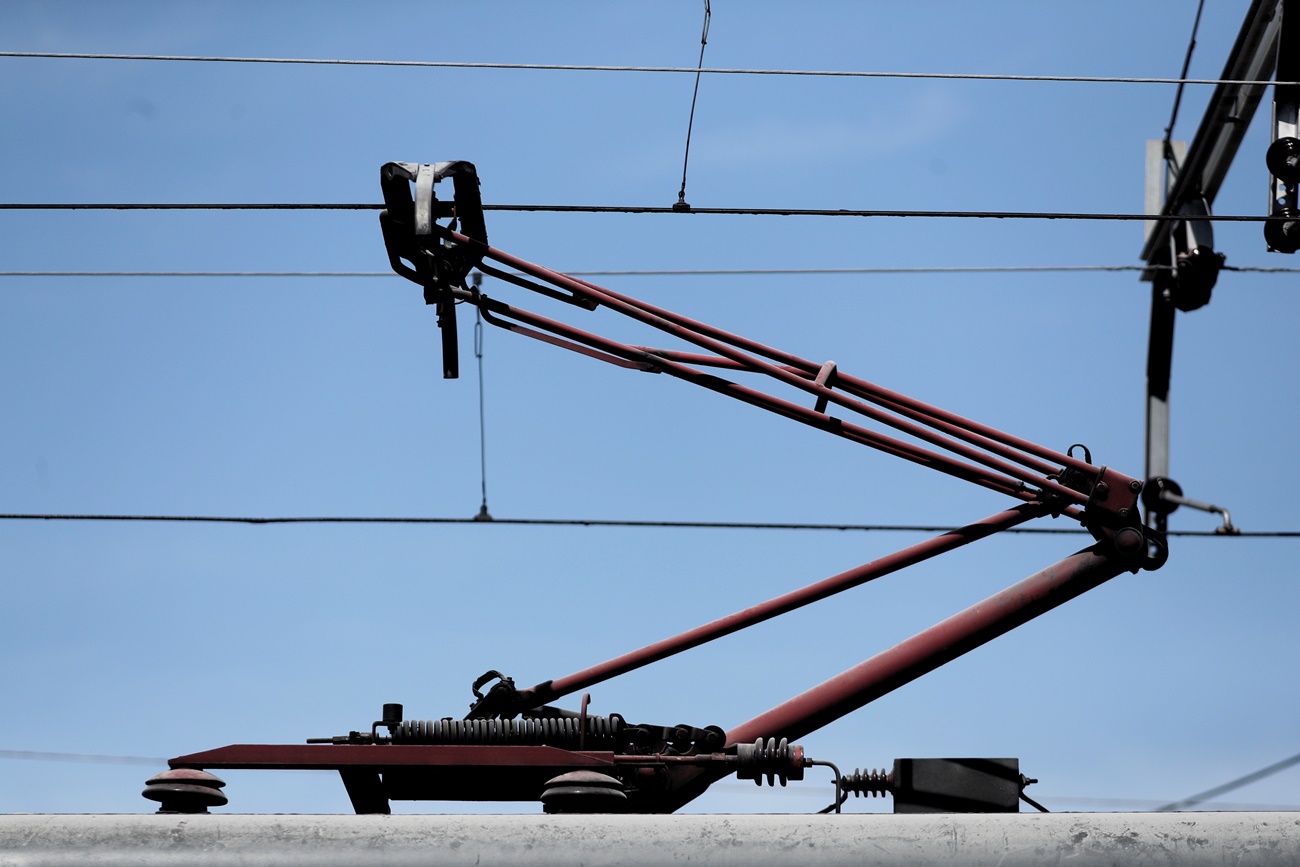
[
  {"x": 1283, "y": 159},
  {"x": 185, "y": 790},
  {"x": 866, "y": 782},
  {"x": 584, "y": 792},
  {"x": 777, "y": 760},
  {"x": 1284, "y": 235}
]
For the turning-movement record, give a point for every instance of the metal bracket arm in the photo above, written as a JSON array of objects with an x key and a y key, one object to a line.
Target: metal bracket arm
[
  {"x": 918, "y": 655},
  {"x": 1223, "y": 126},
  {"x": 503, "y": 699},
  {"x": 1283, "y": 155},
  {"x": 983, "y": 455}
]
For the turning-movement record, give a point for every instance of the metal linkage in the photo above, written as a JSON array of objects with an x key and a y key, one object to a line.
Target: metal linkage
[
  {"x": 961, "y": 447},
  {"x": 504, "y": 699},
  {"x": 416, "y": 253},
  {"x": 979, "y": 454}
]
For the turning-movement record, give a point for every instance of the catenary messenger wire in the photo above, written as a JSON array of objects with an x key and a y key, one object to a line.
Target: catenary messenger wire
[
  {"x": 573, "y": 67},
  {"x": 645, "y": 209}
]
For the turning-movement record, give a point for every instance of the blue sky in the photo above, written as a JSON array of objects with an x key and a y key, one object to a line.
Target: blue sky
[{"x": 223, "y": 396}]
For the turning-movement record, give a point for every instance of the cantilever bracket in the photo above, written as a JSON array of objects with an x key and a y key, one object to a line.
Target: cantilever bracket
[{"x": 1181, "y": 276}]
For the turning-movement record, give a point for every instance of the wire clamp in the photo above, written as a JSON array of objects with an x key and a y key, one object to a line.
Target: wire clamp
[{"x": 826, "y": 379}]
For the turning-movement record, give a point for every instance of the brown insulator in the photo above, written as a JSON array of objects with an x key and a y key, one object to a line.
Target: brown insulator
[
  {"x": 584, "y": 792},
  {"x": 185, "y": 790}
]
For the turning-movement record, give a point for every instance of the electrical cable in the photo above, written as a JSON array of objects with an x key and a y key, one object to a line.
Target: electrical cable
[
  {"x": 1131, "y": 804},
  {"x": 1031, "y": 802},
  {"x": 690, "y": 124},
  {"x": 682, "y": 272},
  {"x": 1229, "y": 786},
  {"x": 1247, "y": 269},
  {"x": 33, "y": 755},
  {"x": 1064, "y": 801},
  {"x": 644, "y": 209},
  {"x": 685, "y": 272},
  {"x": 598, "y": 522},
  {"x": 1178, "y": 95},
  {"x": 572, "y": 67},
  {"x": 197, "y": 206}
]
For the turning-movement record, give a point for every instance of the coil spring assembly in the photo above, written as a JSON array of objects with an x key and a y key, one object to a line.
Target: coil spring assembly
[
  {"x": 865, "y": 783},
  {"x": 602, "y": 732},
  {"x": 778, "y": 760}
]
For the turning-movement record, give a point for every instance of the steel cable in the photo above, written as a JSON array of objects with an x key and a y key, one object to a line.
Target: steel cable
[
  {"x": 638, "y": 209},
  {"x": 593, "y": 522},
  {"x": 573, "y": 67}
]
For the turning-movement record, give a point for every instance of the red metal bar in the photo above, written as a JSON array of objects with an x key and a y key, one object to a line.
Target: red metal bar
[
  {"x": 865, "y": 436},
  {"x": 957, "y": 429},
  {"x": 375, "y": 774},
  {"x": 694, "y": 332},
  {"x": 893, "y": 400},
  {"x": 332, "y": 757},
  {"x": 550, "y": 690},
  {"x": 899, "y": 402},
  {"x": 933, "y": 647},
  {"x": 912, "y": 658},
  {"x": 1017, "y": 450}
]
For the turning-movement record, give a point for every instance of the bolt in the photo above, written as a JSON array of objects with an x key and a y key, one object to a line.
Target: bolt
[
  {"x": 1123, "y": 513},
  {"x": 1129, "y": 541},
  {"x": 1135, "y": 486},
  {"x": 1100, "y": 490}
]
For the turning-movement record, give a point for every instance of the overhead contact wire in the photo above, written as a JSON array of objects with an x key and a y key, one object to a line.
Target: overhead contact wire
[
  {"x": 1208, "y": 794},
  {"x": 688, "y": 272},
  {"x": 595, "y": 522},
  {"x": 733, "y": 346},
  {"x": 639, "y": 209},
  {"x": 573, "y": 67}
]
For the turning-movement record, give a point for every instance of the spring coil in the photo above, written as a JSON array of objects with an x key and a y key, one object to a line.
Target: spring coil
[
  {"x": 602, "y": 732},
  {"x": 865, "y": 783}
]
